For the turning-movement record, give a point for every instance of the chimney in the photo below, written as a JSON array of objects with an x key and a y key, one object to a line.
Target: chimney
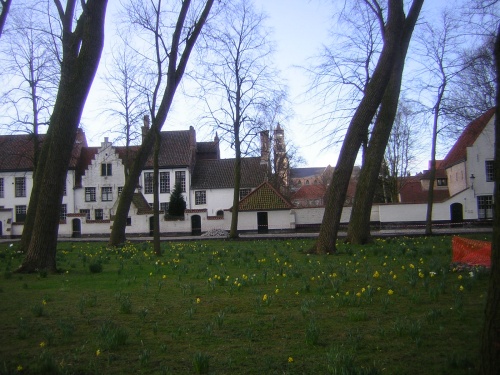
[
  {"x": 145, "y": 128},
  {"x": 264, "y": 147}
]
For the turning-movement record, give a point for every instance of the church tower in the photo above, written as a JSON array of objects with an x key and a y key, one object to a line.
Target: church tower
[{"x": 281, "y": 163}]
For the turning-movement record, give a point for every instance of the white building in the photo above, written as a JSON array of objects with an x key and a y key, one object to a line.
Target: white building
[{"x": 463, "y": 188}]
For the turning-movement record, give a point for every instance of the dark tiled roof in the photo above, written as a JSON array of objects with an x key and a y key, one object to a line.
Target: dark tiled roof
[
  {"x": 141, "y": 204},
  {"x": 426, "y": 175},
  {"x": 458, "y": 152},
  {"x": 207, "y": 150},
  {"x": 412, "y": 192},
  {"x": 265, "y": 197},
  {"x": 306, "y": 172},
  {"x": 177, "y": 149},
  {"x": 16, "y": 151},
  {"x": 219, "y": 174}
]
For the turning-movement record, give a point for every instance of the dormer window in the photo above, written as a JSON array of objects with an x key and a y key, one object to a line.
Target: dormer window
[
  {"x": 442, "y": 182},
  {"x": 106, "y": 169}
]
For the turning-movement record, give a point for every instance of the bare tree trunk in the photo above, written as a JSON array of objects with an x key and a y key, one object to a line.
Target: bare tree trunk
[
  {"x": 233, "y": 233},
  {"x": 156, "y": 196},
  {"x": 356, "y": 132},
  {"x": 432, "y": 171},
  {"x": 490, "y": 348},
  {"x": 81, "y": 54},
  {"x": 359, "y": 225},
  {"x": 174, "y": 76},
  {"x": 3, "y": 14}
]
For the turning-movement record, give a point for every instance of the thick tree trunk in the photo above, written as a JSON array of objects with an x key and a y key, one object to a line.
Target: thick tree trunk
[
  {"x": 156, "y": 199},
  {"x": 357, "y": 129},
  {"x": 359, "y": 225},
  {"x": 3, "y": 14},
  {"x": 77, "y": 73},
  {"x": 233, "y": 233},
  {"x": 490, "y": 348}
]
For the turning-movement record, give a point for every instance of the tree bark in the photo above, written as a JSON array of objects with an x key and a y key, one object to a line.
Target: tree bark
[
  {"x": 3, "y": 14},
  {"x": 174, "y": 76},
  {"x": 490, "y": 348},
  {"x": 81, "y": 54},
  {"x": 432, "y": 171},
  {"x": 358, "y": 231},
  {"x": 357, "y": 129},
  {"x": 233, "y": 233},
  {"x": 156, "y": 198}
]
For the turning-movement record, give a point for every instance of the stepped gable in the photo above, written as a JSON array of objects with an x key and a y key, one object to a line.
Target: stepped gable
[
  {"x": 219, "y": 174},
  {"x": 458, "y": 152},
  {"x": 264, "y": 198}
]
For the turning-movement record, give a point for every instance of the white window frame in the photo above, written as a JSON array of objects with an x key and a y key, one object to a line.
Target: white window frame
[
  {"x": 20, "y": 186},
  {"x": 106, "y": 194},
  {"x": 164, "y": 182},
  {"x": 200, "y": 197},
  {"x": 90, "y": 195},
  {"x": 148, "y": 182}
]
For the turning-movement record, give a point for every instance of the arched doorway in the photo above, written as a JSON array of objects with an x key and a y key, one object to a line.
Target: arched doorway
[
  {"x": 456, "y": 214},
  {"x": 76, "y": 226},
  {"x": 196, "y": 225}
]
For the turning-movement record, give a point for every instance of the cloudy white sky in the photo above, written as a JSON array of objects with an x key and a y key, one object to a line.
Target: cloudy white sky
[{"x": 300, "y": 28}]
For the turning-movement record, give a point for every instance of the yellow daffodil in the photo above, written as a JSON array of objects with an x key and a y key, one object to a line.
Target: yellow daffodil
[{"x": 390, "y": 292}]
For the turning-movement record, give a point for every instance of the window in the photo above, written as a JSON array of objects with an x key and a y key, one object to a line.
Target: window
[
  {"x": 164, "y": 182},
  {"x": 120, "y": 190},
  {"x": 244, "y": 193},
  {"x": 90, "y": 194},
  {"x": 86, "y": 212},
  {"x": 107, "y": 194},
  {"x": 200, "y": 197},
  {"x": 490, "y": 170},
  {"x": 106, "y": 169},
  {"x": 20, "y": 186},
  {"x": 20, "y": 214},
  {"x": 485, "y": 207},
  {"x": 164, "y": 206},
  {"x": 148, "y": 182},
  {"x": 442, "y": 182},
  {"x": 129, "y": 221},
  {"x": 1, "y": 188},
  {"x": 62, "y": 215},
  {"x": 64, "y": 189},
  {"x": 180, "y": 177},
  {"x": 99, "y": 214},
  {"x": 220, "y": 213}
]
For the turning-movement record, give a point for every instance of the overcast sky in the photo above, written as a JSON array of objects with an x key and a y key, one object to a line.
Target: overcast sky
[{"x": 300, "y": 28}]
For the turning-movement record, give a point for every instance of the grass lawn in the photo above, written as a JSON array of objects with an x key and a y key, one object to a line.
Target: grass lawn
[{"x": 396, "y": 306}]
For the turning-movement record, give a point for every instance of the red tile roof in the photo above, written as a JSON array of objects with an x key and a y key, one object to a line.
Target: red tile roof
[
  {"x": 458, "y": 152},
  {"x": 412, "y": 192},
  {"x": 310, "y": 192},
  {"x": 17, "y": 150}
]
